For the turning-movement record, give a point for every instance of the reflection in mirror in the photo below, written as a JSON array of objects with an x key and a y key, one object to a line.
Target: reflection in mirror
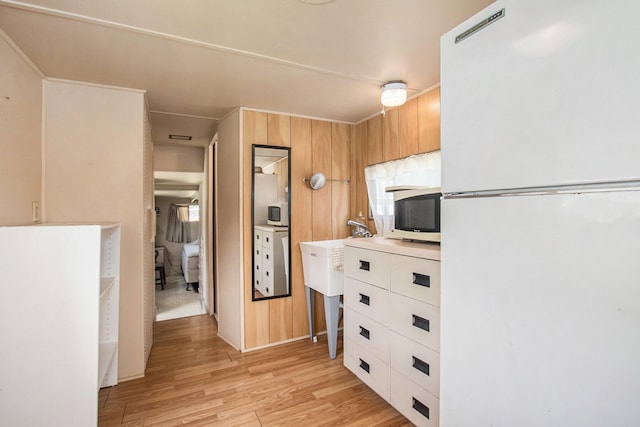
[{"x": 270, "y": 203}]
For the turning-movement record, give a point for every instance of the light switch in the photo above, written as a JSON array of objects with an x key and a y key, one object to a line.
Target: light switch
[{"x": 35, "y": 211}]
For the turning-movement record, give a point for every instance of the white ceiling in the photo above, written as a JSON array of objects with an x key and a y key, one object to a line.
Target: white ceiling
[
  {"x": 200, "y": 59},
  {"x": 184, "y": 185}
]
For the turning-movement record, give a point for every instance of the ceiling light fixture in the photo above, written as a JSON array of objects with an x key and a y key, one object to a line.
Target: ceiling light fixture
[
  {"x": 393, "y": 93},
  {"x": 180, "y": 137}
]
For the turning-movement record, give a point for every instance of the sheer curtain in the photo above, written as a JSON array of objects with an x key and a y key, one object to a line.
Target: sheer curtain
[
  {"x": 418, "y": 170},
  {"x": 178, "y": 227}
]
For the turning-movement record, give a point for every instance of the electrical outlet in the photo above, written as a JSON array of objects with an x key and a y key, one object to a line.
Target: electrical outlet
[{"x": 35, "y": 211}]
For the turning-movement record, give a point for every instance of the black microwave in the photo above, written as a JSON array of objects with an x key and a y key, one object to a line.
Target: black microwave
[{"x": 416, "y": 213}]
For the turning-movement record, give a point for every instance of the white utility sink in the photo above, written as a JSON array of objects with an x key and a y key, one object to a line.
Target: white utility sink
[{"x": 322, "y": 265}]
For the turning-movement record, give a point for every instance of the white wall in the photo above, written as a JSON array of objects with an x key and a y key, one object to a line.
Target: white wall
[
  {"x": 94, "y": 172},
  {"x": 228, "y": 232},
  {"x": 206, "y": 285},
  {"x": 178, "y": 159},
  {"x": 20, "y": 135}
]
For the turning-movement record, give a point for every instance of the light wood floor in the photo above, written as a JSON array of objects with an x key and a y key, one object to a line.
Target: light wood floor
[{"x": 194, "y": 378}]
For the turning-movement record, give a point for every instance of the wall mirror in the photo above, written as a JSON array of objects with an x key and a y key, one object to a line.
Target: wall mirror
[{"x": 270, "y": 205}]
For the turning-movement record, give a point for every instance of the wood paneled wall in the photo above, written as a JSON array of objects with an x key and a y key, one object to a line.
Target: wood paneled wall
[
  {"x": 316, "y": 146},
  {"x": 341, "y": 152}
]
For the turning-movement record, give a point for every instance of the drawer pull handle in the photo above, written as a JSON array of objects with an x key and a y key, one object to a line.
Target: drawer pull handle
[
  {"x": 364, "y": 366},
  {"x": 422, "y": 280},
  {"x": 267, "y": 255},
  {"x": 420, "y": 322},
  {"x": 364, "y": 299},
  {"x": 267, "y": 240},
  {"x": 421, "y": 365},
  {"x": 258, "y": 251},
  {"x": 364, "y": 332},
  {"x": 420, "y": 407},
  {"x": 267, "y": 273},
  {"x": 365, "y": 265}
]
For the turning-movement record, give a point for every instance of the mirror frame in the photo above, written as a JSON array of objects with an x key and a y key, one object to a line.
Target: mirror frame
[{"x": 253, "y": 225}]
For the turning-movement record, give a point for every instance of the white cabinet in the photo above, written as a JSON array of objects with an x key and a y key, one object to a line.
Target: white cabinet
[
  {"x": 58, "y": 322},
  {"x": 269, "y": 276},
  {"x": 392, "y": 322}
]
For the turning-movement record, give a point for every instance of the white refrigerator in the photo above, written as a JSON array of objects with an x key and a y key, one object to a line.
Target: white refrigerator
[{"x": 540, "y": 128}]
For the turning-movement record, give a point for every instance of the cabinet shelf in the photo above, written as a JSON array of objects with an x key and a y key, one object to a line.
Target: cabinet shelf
[
  {"x": 107, "y": 354},
  {"x": 106, "y": 284}
]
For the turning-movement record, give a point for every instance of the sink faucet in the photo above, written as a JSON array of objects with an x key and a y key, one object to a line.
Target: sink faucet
[{"x": 361, "y": 229}]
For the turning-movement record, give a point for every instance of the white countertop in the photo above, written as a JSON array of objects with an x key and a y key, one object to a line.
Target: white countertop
[
  {"x": 273, "y": 228},
  {"x": 401, "y": 247}
]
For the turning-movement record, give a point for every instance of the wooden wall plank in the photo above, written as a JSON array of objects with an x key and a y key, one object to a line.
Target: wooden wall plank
[
  {"x": 321, "y": 205},
  {"x": 390, "y": 143},
  {"x": 408, "y": 128},
  {"x": 362, "y": 200},
  {"x": 301, "y": 218},
  {"x": 321, "y": 158},
  {"x": 256, "y": 314},
  {"x": 374, "y": 140},
  {"x": 354, "y": 138},
  {"x": 429, "y": 121},
  {"x": 340, "y": 190},
  {"x": 278, "y": 130},
  {"x": 254, "y": 128},
  {"x": 280, "y": 319},
  {"x": 280, "y": 309},
  {"x": 340, "y": 150}
]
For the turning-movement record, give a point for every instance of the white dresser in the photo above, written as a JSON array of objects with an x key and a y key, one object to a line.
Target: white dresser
[
  {"x": 392, "y": 322},
  {"x": 269, "y": 276}
]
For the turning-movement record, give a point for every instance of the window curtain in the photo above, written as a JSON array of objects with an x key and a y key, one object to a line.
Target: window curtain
[
  {"x": 178, "y": 227},
  {"x": 421, "y": 170}
]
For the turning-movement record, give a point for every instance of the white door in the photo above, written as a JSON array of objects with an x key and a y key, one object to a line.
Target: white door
[
  {"x": 545, "y": 96},
  {"x": 540, "y": 315}
]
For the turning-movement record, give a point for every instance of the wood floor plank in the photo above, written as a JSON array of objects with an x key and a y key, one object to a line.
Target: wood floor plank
[{"x": 194, "y": 378}]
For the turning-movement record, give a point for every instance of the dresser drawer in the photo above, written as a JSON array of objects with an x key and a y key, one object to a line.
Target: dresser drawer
[
  {"x": 367, "y": 266},
  {"x": 257, "y": 270},
  {"x": 257, "y": 238},
  {"x": 267, "y": 284},
  {"x": 370, "y": 369},
  {"x": 267, "y": 239},
  {"x": 368, "y": 334},
  {"x": 257, "y": 283},
  {"x": 267, "y": 258},
  {"x": 416, "y": 362},
  {"x": 416, "y": 320},
  {"x": 368, "y": 300},
  {"x": 418, "y": 405},
  {"x": 417, "y": 278}
]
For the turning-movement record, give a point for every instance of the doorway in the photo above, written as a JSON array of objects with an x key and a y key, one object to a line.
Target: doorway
[{"x": 179, "y": 227}]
